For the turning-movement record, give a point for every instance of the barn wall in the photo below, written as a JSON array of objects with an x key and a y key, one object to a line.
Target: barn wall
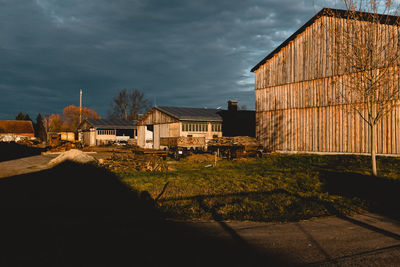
[
  {"x": 326, "y": 129},
  {"x": 298, "y": 103},
  {"x": 156, "y": 117},
  {"x": 310, "y": 56},
  {"x": 175, "y": 129}
]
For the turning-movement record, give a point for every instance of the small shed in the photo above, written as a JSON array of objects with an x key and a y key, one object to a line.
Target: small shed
[
  {"x": 165, "y": 121},
  {"x": 17, "y": 128},
  {"x": 101, "y": 131}
]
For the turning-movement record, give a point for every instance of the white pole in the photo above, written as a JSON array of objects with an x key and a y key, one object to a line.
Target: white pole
[{"x": 80, "y": 107}]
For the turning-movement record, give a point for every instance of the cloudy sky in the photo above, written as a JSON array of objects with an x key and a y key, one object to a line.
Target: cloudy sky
[{"x": 178, "y": 52}]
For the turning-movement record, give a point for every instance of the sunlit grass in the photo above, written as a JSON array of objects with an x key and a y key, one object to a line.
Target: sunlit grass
[{"x": 276, "y": 188}]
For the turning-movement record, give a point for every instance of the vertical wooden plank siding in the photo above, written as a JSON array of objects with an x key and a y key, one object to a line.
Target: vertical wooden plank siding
[{"x": 298, "y": 107}]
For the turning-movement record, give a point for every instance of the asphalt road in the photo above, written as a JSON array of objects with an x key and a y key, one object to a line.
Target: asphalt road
[
  {"x": 25, "y": 165},
  {"x": 359, "y": 240}
]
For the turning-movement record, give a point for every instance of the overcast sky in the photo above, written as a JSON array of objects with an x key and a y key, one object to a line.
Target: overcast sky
[{"x": 190, "y": 53}]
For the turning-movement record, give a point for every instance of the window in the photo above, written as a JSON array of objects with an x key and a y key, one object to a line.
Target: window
[
  {"x": 216, "y": 127},
  {"x": 195, "y": 126},
  {"x": 106, "y": 132}
]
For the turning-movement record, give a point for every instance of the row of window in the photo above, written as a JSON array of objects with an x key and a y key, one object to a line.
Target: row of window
[
  {"x": 216, "y": 127},
  {"x": 106, "y": 132},
  {"x": 200, "y": 127}
]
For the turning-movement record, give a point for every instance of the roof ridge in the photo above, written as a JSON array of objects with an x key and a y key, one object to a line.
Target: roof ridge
[
  {"x": 187, "y": 113},
  {"x": 332, "y": 12}
]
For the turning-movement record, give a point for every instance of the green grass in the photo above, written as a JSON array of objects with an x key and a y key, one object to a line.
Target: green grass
[{"x": 276, "y": 188}]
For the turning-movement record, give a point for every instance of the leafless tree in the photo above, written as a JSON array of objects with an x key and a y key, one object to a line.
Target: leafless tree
[
  {"x": 366, "y": 51},
  {"x": 127, "y": 105}
]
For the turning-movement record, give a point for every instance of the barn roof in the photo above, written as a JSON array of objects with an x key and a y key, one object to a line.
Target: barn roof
[
  {"x": 183, "y": 113},
  {"x": 16, "y": 127},
  {"x": 329, "y": 12},
  {"x": 112, "y": 123}
]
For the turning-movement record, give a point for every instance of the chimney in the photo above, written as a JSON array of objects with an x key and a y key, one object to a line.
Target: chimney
[{"x": 232, "y": 105}]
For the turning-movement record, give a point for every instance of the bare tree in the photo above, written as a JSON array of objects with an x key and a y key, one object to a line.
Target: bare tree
[
  {"x": 127, "y": 105},
  {"x": 138, "y": 104},
  {"x": 366, "y": 52},
  {"x": 119, "y": 106}
]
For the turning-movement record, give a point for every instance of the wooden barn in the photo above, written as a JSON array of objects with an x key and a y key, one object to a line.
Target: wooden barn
[
  {"x": 162, "y": 122},
  {"x": 298, "y": 108}
]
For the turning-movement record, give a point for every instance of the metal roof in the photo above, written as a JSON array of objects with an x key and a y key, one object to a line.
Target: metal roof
[
  {"x": 192, "y": 114},
  {"x": 16, "y": 126},
  {"x": 112, "y": 123},
  {"x": 329, "y": 12}
]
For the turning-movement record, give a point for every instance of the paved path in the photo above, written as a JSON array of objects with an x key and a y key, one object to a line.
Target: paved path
[
  {"x": 25, "y": 165},
  {"x": 360, "y": 240},
  {"x": 30, "y": 164}
]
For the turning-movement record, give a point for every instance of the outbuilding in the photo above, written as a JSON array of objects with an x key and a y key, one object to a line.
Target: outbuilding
[
  {"x": 101, "y": 131},
  {"x": 165, "y": 121},
  {"x": 17, "y": 128}
]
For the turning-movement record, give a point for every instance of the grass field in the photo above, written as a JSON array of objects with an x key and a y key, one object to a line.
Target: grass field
[{"x": 276, "y": 188}]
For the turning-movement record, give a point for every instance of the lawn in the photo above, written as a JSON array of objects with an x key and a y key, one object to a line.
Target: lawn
[{"x": 277, "y": 187}]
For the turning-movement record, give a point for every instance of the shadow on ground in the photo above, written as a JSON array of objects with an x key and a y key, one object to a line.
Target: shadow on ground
[
  {"x": 381, "y": 194},
  {"x": 81, "y": 215},
  {"x": 10, "y": 151}
]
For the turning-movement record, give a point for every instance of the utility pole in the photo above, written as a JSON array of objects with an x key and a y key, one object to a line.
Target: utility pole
[{"x": 80, "y": 107}]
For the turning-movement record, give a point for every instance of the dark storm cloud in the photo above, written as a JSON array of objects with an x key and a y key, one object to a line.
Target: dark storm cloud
[{"x": 185, "y": 53}]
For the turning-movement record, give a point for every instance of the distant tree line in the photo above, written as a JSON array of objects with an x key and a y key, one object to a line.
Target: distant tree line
[
  {"x": 67, "y": 122},
  {"x": 127, "y": 105},
  {"x": 23, "y": 117}
]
